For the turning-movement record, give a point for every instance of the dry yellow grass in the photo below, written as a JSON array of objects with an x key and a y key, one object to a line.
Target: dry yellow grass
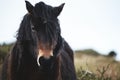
[{"x": 96, "y": 64}]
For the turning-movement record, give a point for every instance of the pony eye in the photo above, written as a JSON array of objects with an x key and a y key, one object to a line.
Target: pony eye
[{"x": 32, "y": 27}]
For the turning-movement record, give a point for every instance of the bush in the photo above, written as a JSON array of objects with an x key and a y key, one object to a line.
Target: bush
[
  {"x": 112, "y": 54},
  {"x": 4, "y": 50},
  {"x": 100, "y": 75}
]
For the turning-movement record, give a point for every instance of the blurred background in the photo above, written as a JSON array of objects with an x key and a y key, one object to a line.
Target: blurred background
[
  {"x": 85, "y": 24},
  {"x": 89, "y": 26}
]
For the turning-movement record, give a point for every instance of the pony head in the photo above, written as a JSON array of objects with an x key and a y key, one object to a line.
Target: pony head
[{"x": 45, "y": 26}]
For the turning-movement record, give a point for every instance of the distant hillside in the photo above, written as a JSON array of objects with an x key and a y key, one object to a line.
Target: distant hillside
[
  {"x": 91, "y": 52},
  {"x": 87, "y": 52}
]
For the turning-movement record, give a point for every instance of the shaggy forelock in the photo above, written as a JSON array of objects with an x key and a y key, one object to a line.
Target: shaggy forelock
[{"x": 42, "y": 10}]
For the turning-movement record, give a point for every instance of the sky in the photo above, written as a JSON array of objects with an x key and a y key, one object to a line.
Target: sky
[{"x": 85, "y": 24}]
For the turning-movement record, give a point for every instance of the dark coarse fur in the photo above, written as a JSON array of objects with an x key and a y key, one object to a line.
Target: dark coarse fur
[{"x": 39, "y": 26}]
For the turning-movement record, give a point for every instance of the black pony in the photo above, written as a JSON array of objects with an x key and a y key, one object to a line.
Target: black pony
[{"x": 40, "y": 52}]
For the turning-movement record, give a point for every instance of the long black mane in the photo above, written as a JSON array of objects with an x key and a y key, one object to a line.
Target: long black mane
[{"x": 25, "y": 31}]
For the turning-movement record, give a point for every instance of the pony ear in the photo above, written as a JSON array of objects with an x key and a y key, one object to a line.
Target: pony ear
[
  {"x": 57, "y": 10},
  {"x": 29, "y": 6}
]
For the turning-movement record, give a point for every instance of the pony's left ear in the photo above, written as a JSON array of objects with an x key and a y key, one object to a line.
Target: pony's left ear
[
  {"x": 57, "y": 10},
  {"x": 29, "y": 6}
]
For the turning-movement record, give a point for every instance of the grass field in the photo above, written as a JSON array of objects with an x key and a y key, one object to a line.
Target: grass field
[{"x": 96, "y": 67}]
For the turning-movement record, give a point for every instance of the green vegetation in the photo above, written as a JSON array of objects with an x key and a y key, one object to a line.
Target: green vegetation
[
  {"x": 4, "y": 50},
  {"x": 89, "y": 64}
]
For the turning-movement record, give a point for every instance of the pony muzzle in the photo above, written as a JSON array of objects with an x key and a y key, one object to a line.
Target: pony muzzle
[{"x": 46, "y": 54}]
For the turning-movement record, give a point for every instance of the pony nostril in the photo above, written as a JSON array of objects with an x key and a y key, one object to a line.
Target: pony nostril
[
  {"x": 44, "y": 55},
  {"x": 46, "y": 63}
]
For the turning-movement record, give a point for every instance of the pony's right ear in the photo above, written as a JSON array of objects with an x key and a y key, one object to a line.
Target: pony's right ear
[{"x": 29, "y": 6}]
